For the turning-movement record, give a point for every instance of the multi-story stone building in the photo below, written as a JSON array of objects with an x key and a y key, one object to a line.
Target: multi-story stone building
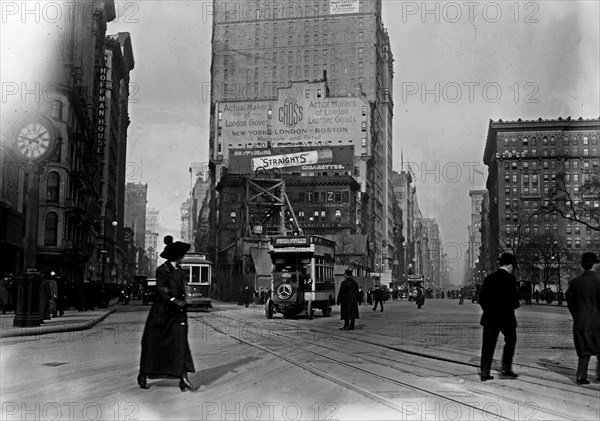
[
  {"x": 112, "y": 122},
  {"x": 432, "y": 270},
  {"x": 538, "y": 173},
  {"x": 260, "y": 47},
  {"x": 473, "y": 266},
  {"x": 405, "y": 194},
  {"x": 55, "y": 149},
  {"x": 135, "y": 219}
]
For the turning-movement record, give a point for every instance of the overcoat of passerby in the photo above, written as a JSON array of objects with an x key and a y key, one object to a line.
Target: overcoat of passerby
[
  {"x": 348, "y": 300},
  {"x": 420, "y": 300},
  {"x": 5, "y": 294},
  {"x": 499, "y": 297},
  {"x": 361, "y": 296},
  {"x": 44, "y": 298},
  {"x": 247, "y": 295},
  {"x": 54, "y": 294},
  {"x": 377, "y": 297},
  {"x": 165, "y": 348},
  {"x": 583, "y": 299}
]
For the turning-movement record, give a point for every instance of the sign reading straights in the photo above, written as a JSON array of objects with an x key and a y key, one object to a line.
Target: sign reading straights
[
  {"x": 338, "y": 7},
  {"x": 292, "y": 159}
]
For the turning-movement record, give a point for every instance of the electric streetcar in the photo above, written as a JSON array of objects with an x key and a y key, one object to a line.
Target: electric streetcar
[{"x": 199, "y": 282}]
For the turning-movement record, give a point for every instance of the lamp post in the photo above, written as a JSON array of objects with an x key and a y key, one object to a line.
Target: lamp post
[
  {"x": 104, "y": 253},
  {"x": 556, "y": 254}
]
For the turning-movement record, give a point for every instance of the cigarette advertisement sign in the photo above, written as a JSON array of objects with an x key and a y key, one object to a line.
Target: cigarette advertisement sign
[
  {"x": 292, "y": 159},
  {"x": 338, "y": 7}
]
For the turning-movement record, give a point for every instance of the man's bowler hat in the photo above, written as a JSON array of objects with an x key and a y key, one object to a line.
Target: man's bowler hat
[
  {"x": 507, "y": 259},
  {"x": 587, "y": 258}
]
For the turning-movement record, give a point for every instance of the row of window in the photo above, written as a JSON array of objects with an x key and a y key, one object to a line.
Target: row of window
[
  {"x": 545, "y": 140},
  {"x": 552, "y": 164},
  {"x": 291, "y": 10},
  {"x": 568, "y": 177},
  {"x": 552, "y": 151},
  {"x": 570, "y": 243},
  {"x": 315, "y": 216}
]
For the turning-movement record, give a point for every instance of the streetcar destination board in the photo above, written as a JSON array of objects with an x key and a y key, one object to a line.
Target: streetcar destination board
[{"x": 290, "y": 241}]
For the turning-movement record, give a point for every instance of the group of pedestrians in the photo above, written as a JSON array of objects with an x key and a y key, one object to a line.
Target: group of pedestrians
[
  {"x": 499, "y": 299},
  {"x": 166, "y": 352}
]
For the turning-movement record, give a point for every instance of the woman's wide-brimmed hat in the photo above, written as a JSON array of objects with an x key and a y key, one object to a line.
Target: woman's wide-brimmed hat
[{"x": 174, "y": 250}]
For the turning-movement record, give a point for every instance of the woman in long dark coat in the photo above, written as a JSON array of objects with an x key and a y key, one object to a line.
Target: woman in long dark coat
[
  {"x": 420, "y": 298},
  {"x": 348, "y": 300},
  {"x": 165, "y": 349}
]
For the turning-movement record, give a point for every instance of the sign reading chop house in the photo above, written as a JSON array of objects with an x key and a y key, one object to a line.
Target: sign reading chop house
[{"x": 292, "y": 159}]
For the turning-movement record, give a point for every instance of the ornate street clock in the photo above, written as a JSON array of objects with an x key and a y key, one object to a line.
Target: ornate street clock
[{"x": 34, "y": 140}]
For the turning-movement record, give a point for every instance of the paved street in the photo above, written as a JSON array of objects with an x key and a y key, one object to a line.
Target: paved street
[{"x": 403, "y": 363}]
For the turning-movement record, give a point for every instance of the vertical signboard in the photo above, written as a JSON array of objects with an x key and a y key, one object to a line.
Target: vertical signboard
[{"x": 101, "y": 115}]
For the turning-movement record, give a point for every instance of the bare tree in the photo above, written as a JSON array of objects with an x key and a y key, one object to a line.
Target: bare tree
[
  {"x": 541, "y": 259},
  {"x": 576, "y": 203},
  {"x": 344, "y": 250}
]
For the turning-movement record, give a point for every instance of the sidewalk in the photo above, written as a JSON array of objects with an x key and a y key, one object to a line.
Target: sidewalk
[{"x": 72, "y": 320}]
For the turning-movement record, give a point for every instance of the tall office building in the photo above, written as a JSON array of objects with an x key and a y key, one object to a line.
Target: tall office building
[
  {"x": 473, "y": 266},
  {"x": 261, "y": 46},
  {"x": 538, "y": 173}
]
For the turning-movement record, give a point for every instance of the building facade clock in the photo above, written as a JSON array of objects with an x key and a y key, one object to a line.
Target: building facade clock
[{"x": 35, "y": 140}]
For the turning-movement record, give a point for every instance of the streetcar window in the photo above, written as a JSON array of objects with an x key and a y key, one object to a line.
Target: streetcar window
[
  {"x": 195, "y": 275},
  {"x": 204, "y": 278}
]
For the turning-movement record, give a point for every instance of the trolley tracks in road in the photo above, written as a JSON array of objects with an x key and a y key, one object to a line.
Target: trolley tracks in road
[{"x": 386, "y": 369}]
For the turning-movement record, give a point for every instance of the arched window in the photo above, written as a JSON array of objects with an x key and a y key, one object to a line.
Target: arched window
[
  {"x": 51, "y": 229},
  {"x": 233, "y": 215},
  {"x": 338, "y": 215},
  {"x": 52, "y": 187},
  {"x": 301, "y": 215}
]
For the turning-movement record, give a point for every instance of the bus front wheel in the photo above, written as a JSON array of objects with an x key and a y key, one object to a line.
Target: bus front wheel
[{"x": 269, "y": 309}]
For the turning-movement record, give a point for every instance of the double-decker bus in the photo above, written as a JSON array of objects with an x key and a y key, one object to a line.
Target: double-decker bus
[
  {"x": 414, "y": 283},
  {"x": 302, "y": 279},
  {"x": 198, "y": 285}
]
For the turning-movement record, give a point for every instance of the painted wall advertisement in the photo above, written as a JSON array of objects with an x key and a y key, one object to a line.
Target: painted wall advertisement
[
  {"x": 338, "y": 7},
  {"x": 293, "y": 120}
]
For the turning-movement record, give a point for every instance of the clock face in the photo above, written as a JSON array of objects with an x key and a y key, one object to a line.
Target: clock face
[{"x": 33, "y": 140}]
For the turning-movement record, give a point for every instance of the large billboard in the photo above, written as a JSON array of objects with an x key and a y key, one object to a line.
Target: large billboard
[
  {"x": 333, "y": 159},
  {"x": 300, "y": 116}
]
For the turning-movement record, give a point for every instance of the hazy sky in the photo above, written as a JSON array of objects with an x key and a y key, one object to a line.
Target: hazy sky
[{"x": 475, "y": 61}]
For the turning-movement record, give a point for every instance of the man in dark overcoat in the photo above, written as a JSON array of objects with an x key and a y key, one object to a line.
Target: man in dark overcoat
[
  {"x": 165, "y": 348},
  {"x": 420, "y": 300},
  {"x": 583, "y": 299},
  {"x": 45, "y": 297},
  {"x": 348, "y": 300},
  {"x": 499, "y": 297},
  {"x": 377, "y": 297}
]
